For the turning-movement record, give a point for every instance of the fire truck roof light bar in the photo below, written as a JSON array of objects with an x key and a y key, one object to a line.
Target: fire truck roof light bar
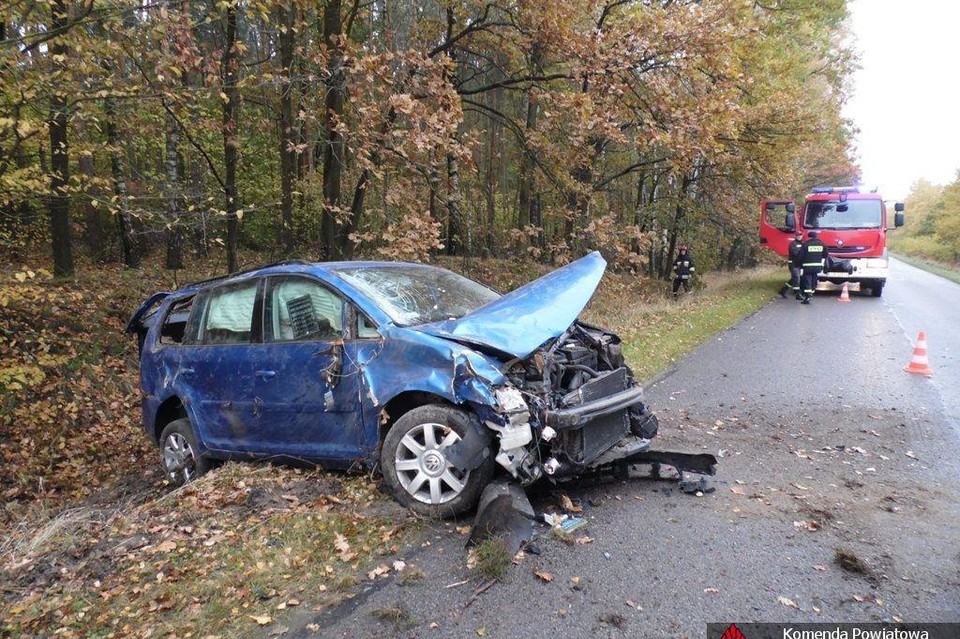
[{"x": 835, "y": 189}]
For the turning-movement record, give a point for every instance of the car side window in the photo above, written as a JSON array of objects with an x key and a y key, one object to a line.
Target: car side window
[
  {"x": 228, "y": 315},
  {"x": 301, "y": 309},
  {"x": 175, "y": 324},
  {"x": 366, "y": 329}
]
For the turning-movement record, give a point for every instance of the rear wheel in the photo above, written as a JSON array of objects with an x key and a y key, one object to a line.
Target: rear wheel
[
  {"x": 180, "y": 456},
  {"x": 416, "y": 470},
  {"x": 876, "y": 290}
]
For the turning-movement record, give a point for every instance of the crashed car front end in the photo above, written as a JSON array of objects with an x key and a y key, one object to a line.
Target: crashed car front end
[
  {"x": 567, "y": 404},
  {"x": 569, "y": 398}
]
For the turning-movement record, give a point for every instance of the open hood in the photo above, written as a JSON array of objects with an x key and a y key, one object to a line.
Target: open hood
[{"x": 519, "y": 322}]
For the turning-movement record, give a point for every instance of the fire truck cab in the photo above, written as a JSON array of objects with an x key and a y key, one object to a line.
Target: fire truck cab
[{"x": 852, "y": 225}]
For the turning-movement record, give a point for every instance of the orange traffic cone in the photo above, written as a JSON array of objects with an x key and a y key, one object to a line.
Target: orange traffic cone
[
  {"x": 844, "y": 294},
  {"x": 919, "y": 363}
]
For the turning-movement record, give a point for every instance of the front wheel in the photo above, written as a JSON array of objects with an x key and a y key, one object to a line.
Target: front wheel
[
  {"x": 180, "y": 456},
  {"x": 416, "y": 470}
]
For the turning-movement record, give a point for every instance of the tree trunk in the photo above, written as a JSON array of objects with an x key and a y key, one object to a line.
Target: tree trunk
[
  {"x": 288, "y": 131},
  {"x": 171, "y": 161},
  {"x": 433, "y": 182},
  {"x": 526, "y": 199},
  {"x": 231, "y": 107},
  {"x": 174, "y": 259},
  {"x": 455, "y": 226},
  {"x": 334, "y": 148},
  {"x": 305, "y": 157},
  {"x": 490, "y": 190},
  {"x": 679, "y": 212},
  {"x": 93, "y": 231},
  {"x": 131, "y": 252},
  {"x": 59, "y": 201}
]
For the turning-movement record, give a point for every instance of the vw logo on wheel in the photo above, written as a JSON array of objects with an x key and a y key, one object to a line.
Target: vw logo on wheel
[{"x": 433, "y": 462}]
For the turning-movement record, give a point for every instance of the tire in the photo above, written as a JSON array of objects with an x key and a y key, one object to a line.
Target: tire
[
  {"x": 876, "y": 290},
  {"x": 179, "y": 453},
  {"x": 415, "y": 470}
]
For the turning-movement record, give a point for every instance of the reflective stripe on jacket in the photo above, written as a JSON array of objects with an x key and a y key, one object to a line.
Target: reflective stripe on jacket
[
  {"x": 814, "y": 254},
  {"x": 683, "y": 266}
]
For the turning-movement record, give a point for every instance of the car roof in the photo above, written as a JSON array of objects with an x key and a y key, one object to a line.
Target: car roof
[{"x": 296, "y": 266}]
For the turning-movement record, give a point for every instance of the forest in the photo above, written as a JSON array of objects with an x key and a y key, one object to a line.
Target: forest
[
  {"x": 932, "y": 229},
  {"x": 244, "y": 130}
]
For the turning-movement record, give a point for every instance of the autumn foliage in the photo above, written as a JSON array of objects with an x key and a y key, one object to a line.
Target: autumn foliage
[{"x": 401, "y": 130}]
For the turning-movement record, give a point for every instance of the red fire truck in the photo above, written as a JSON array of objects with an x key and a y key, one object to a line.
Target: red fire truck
[{"x": 852, "y": 225}]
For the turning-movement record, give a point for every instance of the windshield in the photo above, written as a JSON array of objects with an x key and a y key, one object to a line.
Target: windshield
[
  {"x": 852, "y": 214},
  {"x": 414, "y": 295}
]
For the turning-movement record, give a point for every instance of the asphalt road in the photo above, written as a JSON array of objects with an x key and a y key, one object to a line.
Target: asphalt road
[{"x": 827, "y": 444}]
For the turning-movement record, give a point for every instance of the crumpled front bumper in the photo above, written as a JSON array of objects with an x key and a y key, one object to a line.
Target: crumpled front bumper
[{"x": 578, "y": 416}]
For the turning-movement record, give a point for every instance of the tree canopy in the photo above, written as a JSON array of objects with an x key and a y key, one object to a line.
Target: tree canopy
[{"x": 404, "y": 128}]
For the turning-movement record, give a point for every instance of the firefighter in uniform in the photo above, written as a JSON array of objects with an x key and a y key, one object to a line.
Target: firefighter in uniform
[
  {"x": 683, "y": 267},
  {"x": 796, "y": 267},
  {"x": 813, "y": 256}
]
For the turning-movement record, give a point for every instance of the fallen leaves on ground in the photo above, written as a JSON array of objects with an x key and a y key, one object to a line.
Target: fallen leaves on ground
[
  {"x": 231, "y": 537},
  {"x": 544, "y": 576}
]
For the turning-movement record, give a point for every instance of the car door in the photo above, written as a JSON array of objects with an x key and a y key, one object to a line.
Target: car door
[
  {"x": 213, "y": 374},
  {"x": 307, "y": 388}
]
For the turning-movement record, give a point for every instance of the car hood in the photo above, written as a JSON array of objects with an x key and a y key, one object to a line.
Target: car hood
[{"x": 521, "y": 321}]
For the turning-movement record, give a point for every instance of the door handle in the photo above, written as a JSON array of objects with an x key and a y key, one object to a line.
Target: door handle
[{"x": 266, "y": 374}]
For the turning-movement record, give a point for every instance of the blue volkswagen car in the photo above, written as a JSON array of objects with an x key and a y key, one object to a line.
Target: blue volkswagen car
[{"x": 436, "y": 379}]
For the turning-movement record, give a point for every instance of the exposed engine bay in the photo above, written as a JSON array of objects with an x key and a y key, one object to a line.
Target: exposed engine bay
[{"x": 569, "y": 403}]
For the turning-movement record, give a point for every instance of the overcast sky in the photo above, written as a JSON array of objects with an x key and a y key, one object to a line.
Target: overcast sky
[{"x": 906, "y": 98}]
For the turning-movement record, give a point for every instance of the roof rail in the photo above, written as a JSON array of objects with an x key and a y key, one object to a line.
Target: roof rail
[{"x": 249, "y": 270}]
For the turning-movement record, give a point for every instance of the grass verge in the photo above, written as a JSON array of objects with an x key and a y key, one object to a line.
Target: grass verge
[{"x": 657, "y": 330}]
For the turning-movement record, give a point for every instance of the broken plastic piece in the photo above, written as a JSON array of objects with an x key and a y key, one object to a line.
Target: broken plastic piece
[
  {"x": 547, "y": 433},
  {"x": 694, "y": 486},
  {"x": 572, "y": 523},
  {"x": 504, "y": 513},
  {"x": 553, "y": 519},
  {"x": 551, "y": 466}
]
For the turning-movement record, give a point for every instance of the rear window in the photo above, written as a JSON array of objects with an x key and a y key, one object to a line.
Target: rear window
[{"x": 175, "y": 324}]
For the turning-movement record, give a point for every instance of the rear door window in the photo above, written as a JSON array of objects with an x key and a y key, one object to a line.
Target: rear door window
[{"x": 228, "y": 315}]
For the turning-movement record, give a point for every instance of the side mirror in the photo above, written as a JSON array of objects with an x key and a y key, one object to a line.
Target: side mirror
[
  {"x": 898, "y": 207},
  {"x": 790, "y": 221},
  {"x": 898, "y": 217},
  {"x": 790, "y": 207}
]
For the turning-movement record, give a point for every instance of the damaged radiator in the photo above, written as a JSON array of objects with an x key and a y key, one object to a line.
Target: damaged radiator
[{"x": 583, "y": 445}]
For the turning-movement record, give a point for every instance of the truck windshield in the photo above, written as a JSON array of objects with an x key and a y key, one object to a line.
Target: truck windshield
[{"x": 852, "y": 214}]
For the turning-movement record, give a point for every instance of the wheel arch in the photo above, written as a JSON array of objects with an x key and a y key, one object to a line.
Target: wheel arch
[
  {"x": 170, "y": 410},
  {"x": 403, "y": 403}
]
